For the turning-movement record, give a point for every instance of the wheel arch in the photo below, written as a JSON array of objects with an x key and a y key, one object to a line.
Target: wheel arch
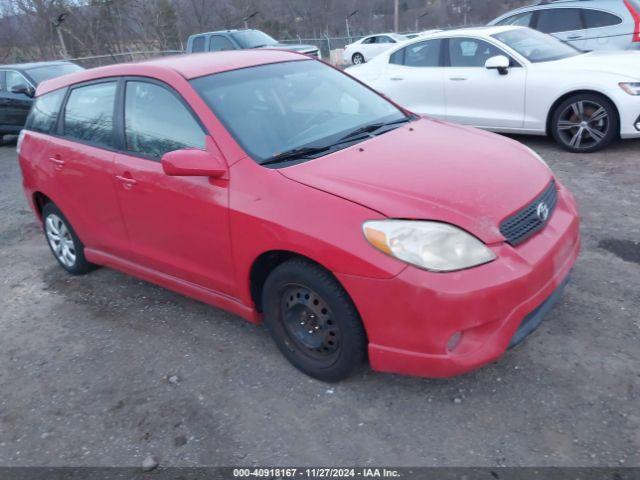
[
  {"x": 39, "y": 201},
  {"x": 570, "y": 94}
]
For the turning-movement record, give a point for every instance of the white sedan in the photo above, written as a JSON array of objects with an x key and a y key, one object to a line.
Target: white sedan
[
  {"x": 514, "y": 80},
  {"x": 368, "y": 47}
]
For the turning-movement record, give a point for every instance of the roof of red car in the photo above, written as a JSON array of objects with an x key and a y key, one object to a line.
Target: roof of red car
[{"x": 189, "y": 66}]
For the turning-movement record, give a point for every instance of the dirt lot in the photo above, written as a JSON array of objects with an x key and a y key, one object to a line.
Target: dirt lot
[{"x": 85, "y": 364}]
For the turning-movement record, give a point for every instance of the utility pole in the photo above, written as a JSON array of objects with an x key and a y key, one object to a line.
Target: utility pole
[
  {"x": 346, "y": 21},
  {"x": 396, "y": 16},
  {"x": 57, "y": 24},
  {"x": 247, "y": 18}
]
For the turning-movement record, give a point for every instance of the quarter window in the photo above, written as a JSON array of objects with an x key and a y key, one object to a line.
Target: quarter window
[
  {"x": 469, "y": 52},
  {"x": 44, "y": 112},
  {"x": 156, "y": 121},
  {"x": 220, "y": 43},
  {"x": 88, "y": 115},
  {"x": 597, "y": 19},
  {"x": 558, "y": 20}
]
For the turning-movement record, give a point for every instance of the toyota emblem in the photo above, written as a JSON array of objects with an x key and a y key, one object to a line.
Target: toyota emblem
[{"x": 543, "y": 211}]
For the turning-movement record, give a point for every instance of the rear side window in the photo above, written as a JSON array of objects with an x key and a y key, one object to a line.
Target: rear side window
[
  {"x": 597, "y": 19},
  {"x": 157, "y": 122},
  {"x": 197, "y": 45},
  {"x": 423, "y": 54},
  {"x": 88, "y": 115},
  {"x": 558, "y": 20},
  {"x": 44, "y": 112}
]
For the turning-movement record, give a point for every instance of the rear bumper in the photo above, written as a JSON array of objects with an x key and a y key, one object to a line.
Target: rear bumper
[{"x": 411, "y": 318}]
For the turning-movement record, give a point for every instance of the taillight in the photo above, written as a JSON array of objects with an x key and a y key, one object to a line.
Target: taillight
[
  {"x": 19, "y": 142},
  {"x": 636, "y": 19}
]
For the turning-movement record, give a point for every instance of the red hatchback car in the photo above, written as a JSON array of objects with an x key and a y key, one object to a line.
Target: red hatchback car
[{"x": 280, "y": 189}]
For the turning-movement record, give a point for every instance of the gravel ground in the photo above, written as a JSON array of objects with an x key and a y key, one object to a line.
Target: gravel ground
[{"x": 106, "y": 370}]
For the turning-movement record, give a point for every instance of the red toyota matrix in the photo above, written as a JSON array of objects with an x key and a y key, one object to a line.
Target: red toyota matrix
[{"x": 281, "y": 189}]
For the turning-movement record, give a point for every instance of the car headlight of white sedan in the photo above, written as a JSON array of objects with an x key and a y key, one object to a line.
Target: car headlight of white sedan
[
  {"x": 433, "y": 246},
  {"x": 632, "y": 88}
]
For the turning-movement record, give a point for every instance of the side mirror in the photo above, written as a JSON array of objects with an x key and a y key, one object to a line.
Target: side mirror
[
  {"x": 22, "y": 88},
  {"x": 193, "y": 163},
  {"x": 500, "y": 63}
]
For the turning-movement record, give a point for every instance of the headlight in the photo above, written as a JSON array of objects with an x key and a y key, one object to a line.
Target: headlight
[
  {"x": 632, "y": 88},
  {"x": 434, "y": 246}
]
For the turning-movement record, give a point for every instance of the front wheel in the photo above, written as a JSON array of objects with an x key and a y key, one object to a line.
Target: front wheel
[
  {"x": 63, "y": 241},
  {"x": 313, "y": 321},
  {"x": 357, "y": 59},
  {"x": 585, "y": 123}
]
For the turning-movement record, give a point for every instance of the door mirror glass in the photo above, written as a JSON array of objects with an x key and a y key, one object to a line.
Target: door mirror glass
[
  {"x": 23, "y": 88},
  {"x": 499, "y": 62},
  {"x": 193, "y": 163}
]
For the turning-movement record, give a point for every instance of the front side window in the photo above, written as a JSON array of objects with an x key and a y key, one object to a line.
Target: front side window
[
  {"x": 15, "y": 79},
  {"x": 88, "y": 115},
  {"x": 44, "y": 112},
  {"x": 198, "y": 45},
  {"x": 471, "y": 52},
  {"x": 277, "y": 108},
  {"x": 556, "y": 20},
  {"x": 535, "y": 46},
  {"x": 521, "y": 20},
  {"x": 423, "y": 54},
  {"x": 220, "y": 44},
  {"x": 157, "y": 122},
  {"x": 40, "y": 74}
]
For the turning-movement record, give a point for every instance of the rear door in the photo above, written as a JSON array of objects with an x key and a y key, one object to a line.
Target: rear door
[
  {"x": 81, "y": 156},
  {"x": 177, "y": 225},
  {"x": 478, "y": 96},
  {"x": 564, "y": 23},
  {"x": 414, "y": 78}
]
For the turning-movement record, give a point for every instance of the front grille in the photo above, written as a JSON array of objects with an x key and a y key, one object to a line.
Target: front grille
[{"x": 523, "y": 224}]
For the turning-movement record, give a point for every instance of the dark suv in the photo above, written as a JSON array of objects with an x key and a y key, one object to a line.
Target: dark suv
[
  {"x": 241, "y": 40},
  {"x": 17, "y": 86}
]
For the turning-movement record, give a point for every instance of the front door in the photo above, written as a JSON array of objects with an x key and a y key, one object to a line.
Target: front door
[
  {"x": 16, "y": 106},
  {"x": 178, "y": 226},
  {"x": 478, "y": 96}
]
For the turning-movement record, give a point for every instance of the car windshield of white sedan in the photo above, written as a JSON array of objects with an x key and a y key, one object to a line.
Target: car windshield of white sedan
[
  {"x": 536, "y": 46},
  {"x": 294, "y": 111}
]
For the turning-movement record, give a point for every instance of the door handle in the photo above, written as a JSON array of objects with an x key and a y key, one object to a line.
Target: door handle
[
  {"x": 396, "y": 79},
  {"x": 127, "y": 182},
  {"x": 457, "y": 79},
  {"x": 57, "y": 161}
]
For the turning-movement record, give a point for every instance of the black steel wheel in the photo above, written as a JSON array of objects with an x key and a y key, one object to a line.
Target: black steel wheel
[
  {"x": 585, "y": 123},
  {"x": 313, "y": 321}
]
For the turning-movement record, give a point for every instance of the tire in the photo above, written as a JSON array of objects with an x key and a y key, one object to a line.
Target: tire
[
  {"x": 585, "y": 123},
  {"x": 65, "y": 245},
  {"x": 357, "y": 59},
  {"x": 313, "y": 321}
]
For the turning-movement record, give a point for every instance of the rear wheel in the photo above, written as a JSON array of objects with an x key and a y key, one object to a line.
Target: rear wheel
[
  {"x": 63, "y": 241},
  {"x": 585, "y": 123},
  {"x": 357, "y": 59},
  {"x": 313, "y": 321}
]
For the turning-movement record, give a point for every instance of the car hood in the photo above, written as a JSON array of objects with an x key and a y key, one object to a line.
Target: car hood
[
  {"x": 430, "y": 170},
  {"x": 626, "y": 62},
  {"x": 293, "y": 48}
]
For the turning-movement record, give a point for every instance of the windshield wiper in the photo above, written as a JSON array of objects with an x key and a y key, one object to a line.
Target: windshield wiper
[
  {"x": 371, "y": 128},
  {"x": 295, "y": 154}
]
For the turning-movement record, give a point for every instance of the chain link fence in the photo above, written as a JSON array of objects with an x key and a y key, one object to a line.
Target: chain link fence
[{"x": 121, "y": 57}]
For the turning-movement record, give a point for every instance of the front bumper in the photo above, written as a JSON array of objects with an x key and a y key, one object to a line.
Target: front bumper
[
  {"x": 411, "y": 318},
  {"x": 629, "y": 109}
]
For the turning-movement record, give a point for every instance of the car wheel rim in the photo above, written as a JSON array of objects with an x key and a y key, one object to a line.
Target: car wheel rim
[
  {"x": 60, "y": 239},
  {"x": 309, "y": 324},
  {"x": 583, "y": 124},
  {"x": 357, "y": 60}
]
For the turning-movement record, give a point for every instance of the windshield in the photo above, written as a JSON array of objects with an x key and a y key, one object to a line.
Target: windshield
[
  {"x": 253, "y": 39},
  {"x": 303, "y": 107},
  {"x": 40, "y": 74},
  {"x": 535, "y": 46}
]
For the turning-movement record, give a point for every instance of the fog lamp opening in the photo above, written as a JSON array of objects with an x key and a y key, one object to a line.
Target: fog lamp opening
[{"x": 454, "y": 341}]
